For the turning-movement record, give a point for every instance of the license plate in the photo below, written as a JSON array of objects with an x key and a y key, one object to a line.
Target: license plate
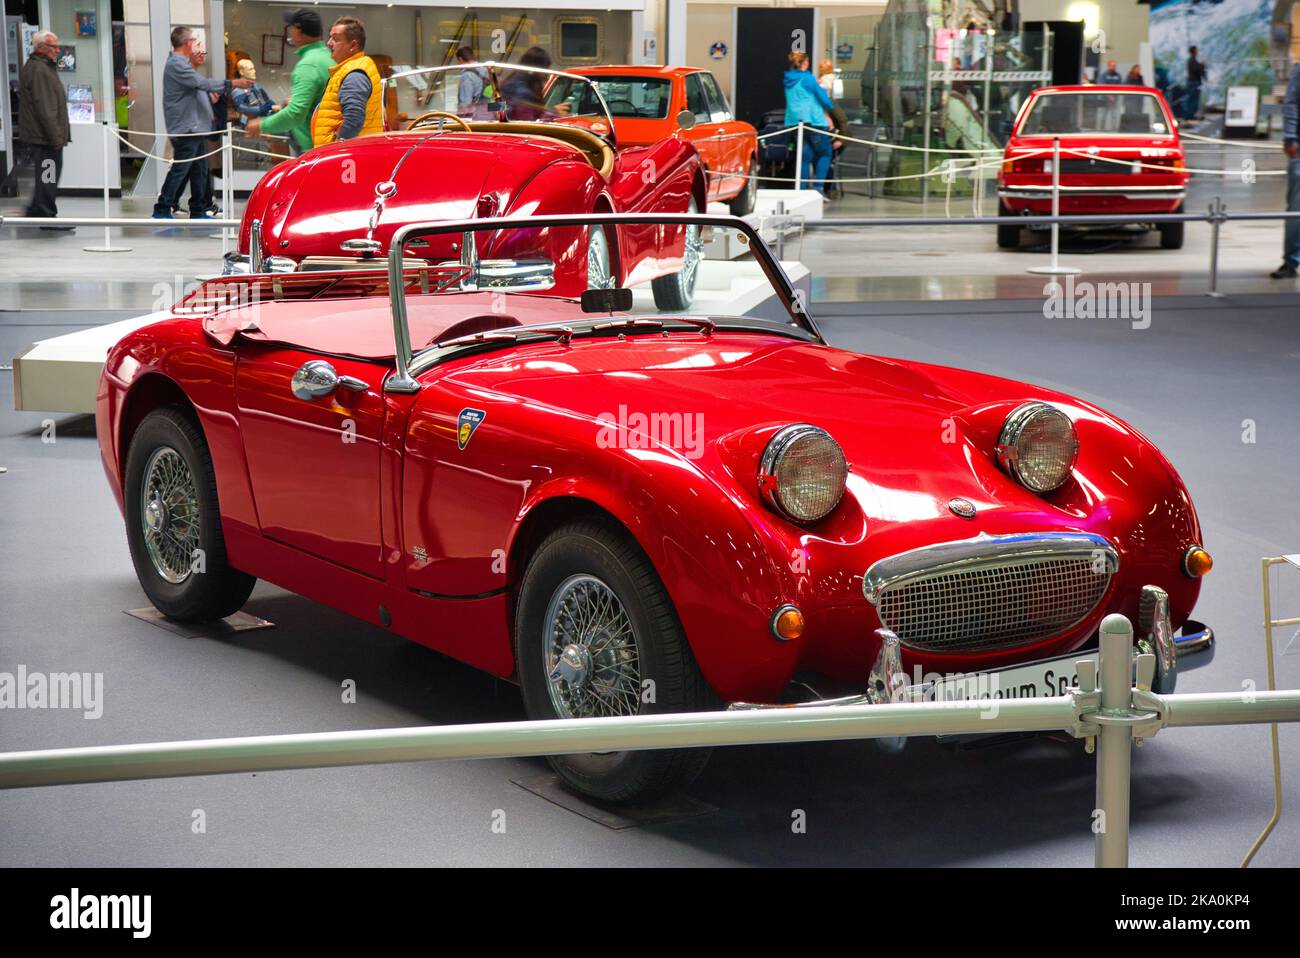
[{"x": 1043, "y": 678}]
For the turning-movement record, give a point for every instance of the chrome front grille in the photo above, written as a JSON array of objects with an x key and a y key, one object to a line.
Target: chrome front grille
[{"x": 991, "y": 592}]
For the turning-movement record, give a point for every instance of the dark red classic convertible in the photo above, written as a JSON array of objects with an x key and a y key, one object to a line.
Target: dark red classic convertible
[
  {"x": 630, "y": 511},
  {"x": 337, "y": 206}
]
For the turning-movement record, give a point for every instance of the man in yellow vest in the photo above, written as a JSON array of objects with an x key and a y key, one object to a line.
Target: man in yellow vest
[{"x": 353, "y": 102}]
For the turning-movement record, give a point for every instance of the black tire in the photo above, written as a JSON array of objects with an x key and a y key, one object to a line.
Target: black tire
[
  {"x": 213, "y": 590},
  {"x": 675, "y": 293},
  {"x": 599, "y": 247},
  {"x": 1171, "y": 234},
  {"x": 594, "y": 550},
  {"x": 742, "y": 204},
  {"x": 1009, "y": 235}
]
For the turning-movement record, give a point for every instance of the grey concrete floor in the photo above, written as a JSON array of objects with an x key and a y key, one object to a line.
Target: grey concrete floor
[{"x": 1199, "y": 795}]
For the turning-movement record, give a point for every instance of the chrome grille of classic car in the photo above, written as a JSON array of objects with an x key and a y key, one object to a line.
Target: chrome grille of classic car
[{"x": 991, "y": 592}]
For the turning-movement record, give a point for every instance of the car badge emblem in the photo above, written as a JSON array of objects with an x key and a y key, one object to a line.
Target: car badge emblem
[
  {"x": 1094, "y": 150},
  {"x": 466, "y": 423},
  {"x": 962, "y": 507}
]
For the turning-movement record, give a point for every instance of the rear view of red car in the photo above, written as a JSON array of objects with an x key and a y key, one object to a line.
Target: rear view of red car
[{"x": 1120, "y": 153}]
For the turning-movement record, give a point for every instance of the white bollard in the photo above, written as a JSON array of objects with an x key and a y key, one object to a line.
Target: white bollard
[
  {"x": 108, "y": 246},
  {"x": 1055, "y": 268},
  {"x": 1115, "y": 744},
  {"x": 798, "y": 159}
]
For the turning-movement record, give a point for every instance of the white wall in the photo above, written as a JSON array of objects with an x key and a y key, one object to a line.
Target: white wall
[{"x": 1125, "y": 23}]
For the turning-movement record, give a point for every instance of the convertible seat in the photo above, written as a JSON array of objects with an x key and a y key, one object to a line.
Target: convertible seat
[{"x": 597, "y": 152}]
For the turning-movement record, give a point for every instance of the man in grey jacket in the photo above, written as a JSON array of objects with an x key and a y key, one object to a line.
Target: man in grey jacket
[
  {"x": 1290, "y": 128},
  {"x": 188, "y": 109},
  {"x": 43, "y": 122}
]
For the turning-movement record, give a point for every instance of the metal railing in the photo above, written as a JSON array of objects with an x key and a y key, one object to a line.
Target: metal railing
[{"x": 1106, "y": 709}]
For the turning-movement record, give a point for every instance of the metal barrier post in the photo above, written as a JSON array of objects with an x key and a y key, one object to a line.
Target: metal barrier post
[
  {"x": 798, "y": 158},
  {"x": 1114, "y": 744},
  {"x": 780, "y": 230},
  {"x": 108, "y": 246},
  {"x": 1217, "y": 210},
  {"x": 227, "y": 181},
  {"x": 929, "y": 65},
  {"x": 1055, "y": 267}
]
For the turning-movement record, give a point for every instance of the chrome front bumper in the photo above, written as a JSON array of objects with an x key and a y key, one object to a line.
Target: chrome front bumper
[
  {"x": 1193, "y": 649},
  {"x": 1127, "y": 192}
]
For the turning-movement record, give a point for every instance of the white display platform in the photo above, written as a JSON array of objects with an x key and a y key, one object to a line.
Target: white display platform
[
  {"x": 83, "y": 159},
  {"x": 62, "y": 374}
]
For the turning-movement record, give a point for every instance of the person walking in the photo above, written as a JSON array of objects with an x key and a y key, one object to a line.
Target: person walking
[
  {"x": 311, "y": 74},
  {"x": 1290, "y": 132},
  {"x": 187, "y": 108},
  {"x": 43, "y": 123},
  {"x": 1195, "y": 77},
  {"x": 470, "y": 91},
  {"x": 807, "y": 103},
  {"x": 353, "y": 102}
]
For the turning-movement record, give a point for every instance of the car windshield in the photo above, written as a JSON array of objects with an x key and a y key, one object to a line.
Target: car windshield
[
  {"x": 1121, "y": 114},
  {"x": 491, "y": 91},
  {"x": 578, "y": 275},
  {"x": 628, "y": 97}
]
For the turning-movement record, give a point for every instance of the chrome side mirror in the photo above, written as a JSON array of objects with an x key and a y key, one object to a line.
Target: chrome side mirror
[
  {"x": 319, "y": 378},
  {"x": 686, "y": 119}
]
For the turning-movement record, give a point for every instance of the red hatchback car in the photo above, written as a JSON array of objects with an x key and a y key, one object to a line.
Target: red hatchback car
[
  {"x": 651, "y": 103},
  {"x": 1120, "y": 153}
]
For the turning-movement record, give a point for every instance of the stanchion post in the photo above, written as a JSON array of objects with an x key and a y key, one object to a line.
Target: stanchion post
[
  {"x": 929, "y": 65},
  {"x": 1055, "y": 266},
  {"x": 798, "y": 157},
  {"x": 1114, "y": 744},
  {"x": 108, "y": 246},
  {"x": 1217, "y": 209}
]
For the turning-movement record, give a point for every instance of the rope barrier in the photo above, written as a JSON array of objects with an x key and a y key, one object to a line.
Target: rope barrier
[
  {"x": 163, "y": 159},
  {"x": 1243, "y": 143}
]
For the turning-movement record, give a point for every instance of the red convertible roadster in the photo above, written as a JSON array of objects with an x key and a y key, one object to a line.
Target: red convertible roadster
[
  {"x": 627, "y": 511},
  {"x": 337, "y": 206}
]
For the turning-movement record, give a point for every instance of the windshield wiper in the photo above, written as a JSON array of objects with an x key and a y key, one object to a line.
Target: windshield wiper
[{"x": 706, "y": 325}]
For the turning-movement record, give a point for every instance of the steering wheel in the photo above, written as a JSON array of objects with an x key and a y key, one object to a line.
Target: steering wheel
[
  {"x": 631, "y": 107},
  {"x": 442, "y": 114}
]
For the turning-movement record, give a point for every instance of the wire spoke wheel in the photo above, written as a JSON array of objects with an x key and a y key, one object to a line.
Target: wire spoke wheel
[
  {"x": 599, "y": 273},
  {"x": 591, "y": 658},
  {"x": 169, "y": 514}
]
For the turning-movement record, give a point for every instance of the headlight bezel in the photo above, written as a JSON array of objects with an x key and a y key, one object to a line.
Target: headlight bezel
[
  {"x": 1013, "y": 429},
  {"x": 769, "y": 486}
]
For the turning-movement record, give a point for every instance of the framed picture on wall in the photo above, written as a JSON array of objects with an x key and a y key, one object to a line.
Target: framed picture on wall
[
  {"x": 85, "y": 23},
  {"x": 273, "y": 49},
  {"x": 67, "y": 61}
]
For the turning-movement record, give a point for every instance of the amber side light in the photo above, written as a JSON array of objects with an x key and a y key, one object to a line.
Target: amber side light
[
  {"x": 1197, "y": 562},
  {"x": 787, "y": 624}
]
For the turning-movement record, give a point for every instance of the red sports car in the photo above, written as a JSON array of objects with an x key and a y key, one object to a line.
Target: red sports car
[
  {"x": 627, "y": 511},
  {"x": 1120, "y": 153},
  {"x": 337, "y": 206},
  {"x": 649, "y": 103}
]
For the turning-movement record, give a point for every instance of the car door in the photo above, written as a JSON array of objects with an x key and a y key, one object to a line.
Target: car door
[
  {"x": 314, "y": 462},
  {"x": 705, "y": 133},
  {"x": 732, "y": 139}
]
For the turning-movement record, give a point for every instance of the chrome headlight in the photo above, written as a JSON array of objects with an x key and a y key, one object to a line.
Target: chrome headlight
[
  {"x": 1038, "y": 446},
  {"x": 802, "y": 473}
]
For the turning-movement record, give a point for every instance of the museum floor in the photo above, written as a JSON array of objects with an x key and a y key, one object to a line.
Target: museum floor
[{"x": 1190, "y": 382}]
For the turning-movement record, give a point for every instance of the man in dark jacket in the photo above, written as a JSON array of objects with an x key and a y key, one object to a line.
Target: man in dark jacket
[
  {"x": 1291, "y": 146},
  {"x": 43, "y": 122}
]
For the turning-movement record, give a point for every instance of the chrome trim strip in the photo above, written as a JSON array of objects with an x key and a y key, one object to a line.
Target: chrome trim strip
[
  {"x": 984, "y": 551},
  {"x": 1128, "y": 192},
  {"x": 255, "y": 246}
]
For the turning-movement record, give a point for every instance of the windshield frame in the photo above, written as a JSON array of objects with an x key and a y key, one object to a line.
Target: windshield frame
[
  {"x": 491, "y": 65},
  {"x": 402, "y": 381}
]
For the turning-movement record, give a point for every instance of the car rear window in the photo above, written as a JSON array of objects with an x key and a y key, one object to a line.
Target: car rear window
[
  {"x": 631, "y": 97},
  {"x": 1136, "y": 114}
]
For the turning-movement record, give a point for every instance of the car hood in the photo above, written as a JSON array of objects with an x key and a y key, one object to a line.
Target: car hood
[{"x": 329, "y": 195}]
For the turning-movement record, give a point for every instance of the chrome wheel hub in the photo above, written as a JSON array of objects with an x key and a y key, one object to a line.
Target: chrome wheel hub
[
  {"x": 169, "y": 514},
  {"x": 599, "y": 274},
  {"x": 591, "y": 658},
  {"x": 694, "y": 252}
]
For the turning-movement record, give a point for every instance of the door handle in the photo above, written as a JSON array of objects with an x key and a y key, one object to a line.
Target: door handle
[{"x": 319, "y": 378}]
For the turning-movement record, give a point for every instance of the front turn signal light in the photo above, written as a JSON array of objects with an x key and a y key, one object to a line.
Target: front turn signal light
[
  {"x": 1197, "y": 562},
  {"x": 787, "y": 623}
]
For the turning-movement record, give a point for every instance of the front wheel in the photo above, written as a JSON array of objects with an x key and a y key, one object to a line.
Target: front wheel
[
  {"x": 173, "y": 523},
  {"x": 675, "y": 293},
  {"x": 596, "y": 635}
]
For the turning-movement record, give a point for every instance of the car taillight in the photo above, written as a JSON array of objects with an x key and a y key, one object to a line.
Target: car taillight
[{"x": 1024, "y": 164}]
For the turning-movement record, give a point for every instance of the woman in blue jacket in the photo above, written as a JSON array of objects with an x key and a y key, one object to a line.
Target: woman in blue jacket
[{"x": 807, "y": 103}]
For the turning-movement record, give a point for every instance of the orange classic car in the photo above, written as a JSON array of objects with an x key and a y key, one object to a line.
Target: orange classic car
[{"x": 649, "y": 103}]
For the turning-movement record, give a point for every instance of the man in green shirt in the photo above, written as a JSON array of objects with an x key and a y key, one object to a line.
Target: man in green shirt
[{"x": 310, "y": 75}]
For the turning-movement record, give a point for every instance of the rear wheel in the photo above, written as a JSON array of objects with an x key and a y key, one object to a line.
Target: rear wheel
[
  {"x": 173, "y": 523},
  {"x": 1008, "y": 235},
  {"x": 596, "y": 635},
  {"x": 1171, "y": 234},
  {"x": 675, "y": 293},
  {"x": 742, "y": 204}
]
